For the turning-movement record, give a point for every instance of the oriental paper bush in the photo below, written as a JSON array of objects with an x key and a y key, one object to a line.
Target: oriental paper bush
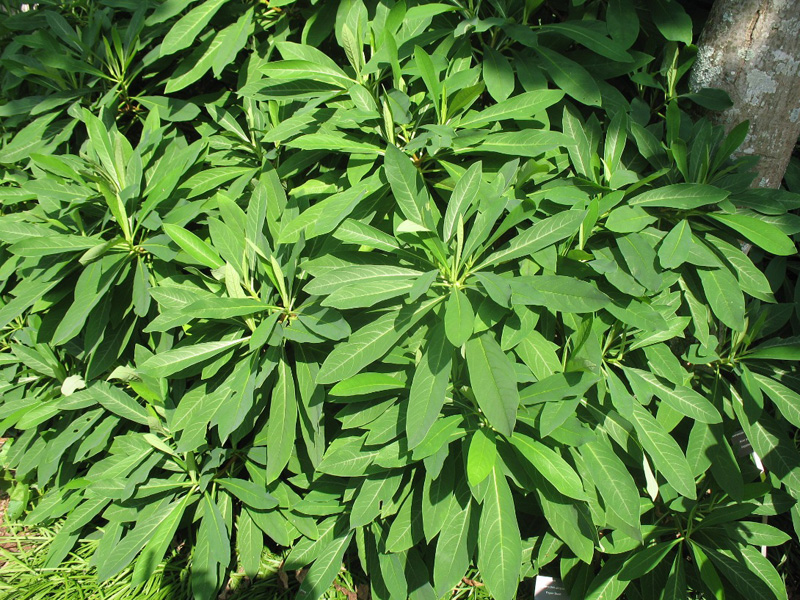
[{"x": 426, "y": 285}]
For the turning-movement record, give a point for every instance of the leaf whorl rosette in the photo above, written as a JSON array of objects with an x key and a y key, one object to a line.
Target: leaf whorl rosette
[{"x": 432, "y": 286}]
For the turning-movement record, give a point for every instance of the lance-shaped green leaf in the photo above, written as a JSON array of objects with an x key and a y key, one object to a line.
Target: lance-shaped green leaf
[
  {"x": 759, "y": 564},
  {"x": 676, "y": 246},
  {"x": 157, "y": 545},
  {"x": 580, "y": 151},
  {"x": 570, "y": 76},
  {"x": 334, "y": 279},
  {"x": 249, "y": 492},
  {"x": 193, "y": 246},
  {"x": 493, "y": 381},
  {"x": 521, "y": 106},
  {"x": 101, "y": 141},
  {"x": 756, "y": 533},
  {"x": 374, "y": 489},
  {"x": 672, "y": 21},
  {"x": 366, "y": 383},
  {"x": 362, "y": 234},
  {"x": 751, "y": 279},
  {"x": 92, "y": 287},
  {"x": 324, "y": 321},
  {"x": 406, "y": 528},
  {"x": 616, "y": 138},
  {"x": 131, "y": 544},
  {"x": 249, "y": 543},
  {"x": 607, "y": 584},
  {"x": 529, "y": 143},
  {"x": 628, "y": 219},
  {"x": 454, "y": 546},
  {"x": 581, "y": 32},
  {"x": 437, "y": 496},
  {"x": 402, "y": 176},
  {"x": 324, "y": 216},
  {"x": 724, "y": 295},
  {"x": 664, "y": 450},
  {"x": 346, "y": 457},
  {"x": 551, "y": 465},
  {"x": 324, "y": 570},
  {"x": 169, "y": 362},
  {"x": 292, "y": 50},
  {"x": 640, "y": 315},
  {"x": 498, "y": 74},
  {"x": 682, "y": 196},
  {"x": 430, "y": 77},
  {"x": 644, "y": 560},
  {"x": 232, "y": 39},
  {"x": 185, "y": 31},
  {"x": 542, "y": 234},
  {"x": 464, "y": 194},
  {"x": 739, "y": 570},
  {"x": 305, "y": 69},
  {"x": 78, "y": 517},
  {"x": 539, "y": 355},
  {"x": 204, "y": 576},
  {"x": 777, "y": 349},
  {"x": 679, "y": 397},
  {"x": 764, "y": 235},
  {"x": 214, "y": 525},
  {"x": 707, "y": 571},
  {"x": 497, "y": 287},
  {"x": 223, "y": 308},
  {"x": 282, "y": 423},
  {"x": 370, "y": 343},
  {"x": 558, "y": 293},
  {"x": 458, "y": 318},
  {"x": 640, "y": 258},
  {"x": 29, "y": 292},
  {"x": 195, "y": 409},
  {"x": 443, "y": 432},
  {"x": 481, "y": 455},
  {"x": 307, "y": 550},
  {"x": 499, "y": 541},
  {"x": 429, "y": 386},
  {"x": 115, "y": 400},
  {"x": 613, "y": 480},
  {"x": 27, "y": 140},
  {"x": 210, "y": 179},
  {"x": 569, "y": 520},
  {"x": 786, "y": 399},
  {"x": 675, "y": 588},
  {"x": 368, "y": 293},
  {"x": 332, "y": 143},
  {"x": 54, "y": 244}
]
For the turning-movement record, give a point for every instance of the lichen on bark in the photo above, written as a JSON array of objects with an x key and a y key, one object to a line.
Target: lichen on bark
[{"x": 751, "y": 49}]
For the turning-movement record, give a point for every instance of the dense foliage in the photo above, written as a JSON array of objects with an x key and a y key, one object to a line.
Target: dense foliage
[{"x": 433, "y": 284}]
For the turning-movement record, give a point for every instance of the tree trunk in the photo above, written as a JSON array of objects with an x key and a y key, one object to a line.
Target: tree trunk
[{"x": 751, "y": 49}]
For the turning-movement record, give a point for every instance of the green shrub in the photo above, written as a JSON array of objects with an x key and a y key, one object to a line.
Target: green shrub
[{"x": 434, "y": 284}]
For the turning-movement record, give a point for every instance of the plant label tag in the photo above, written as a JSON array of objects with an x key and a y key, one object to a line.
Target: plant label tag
[
  {"x": 549, "y": 588},
  {"x": 742, "y": 444}
]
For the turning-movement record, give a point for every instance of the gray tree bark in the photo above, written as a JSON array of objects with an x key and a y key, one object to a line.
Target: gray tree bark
[{"x": 751, "y": 49}]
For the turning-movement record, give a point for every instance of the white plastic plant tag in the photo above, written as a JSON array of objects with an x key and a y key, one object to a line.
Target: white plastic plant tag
[{"x": 549, "y": 588}]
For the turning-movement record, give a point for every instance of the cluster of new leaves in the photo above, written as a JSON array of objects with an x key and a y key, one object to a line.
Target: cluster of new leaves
[{"x": 441, "y": 285}]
